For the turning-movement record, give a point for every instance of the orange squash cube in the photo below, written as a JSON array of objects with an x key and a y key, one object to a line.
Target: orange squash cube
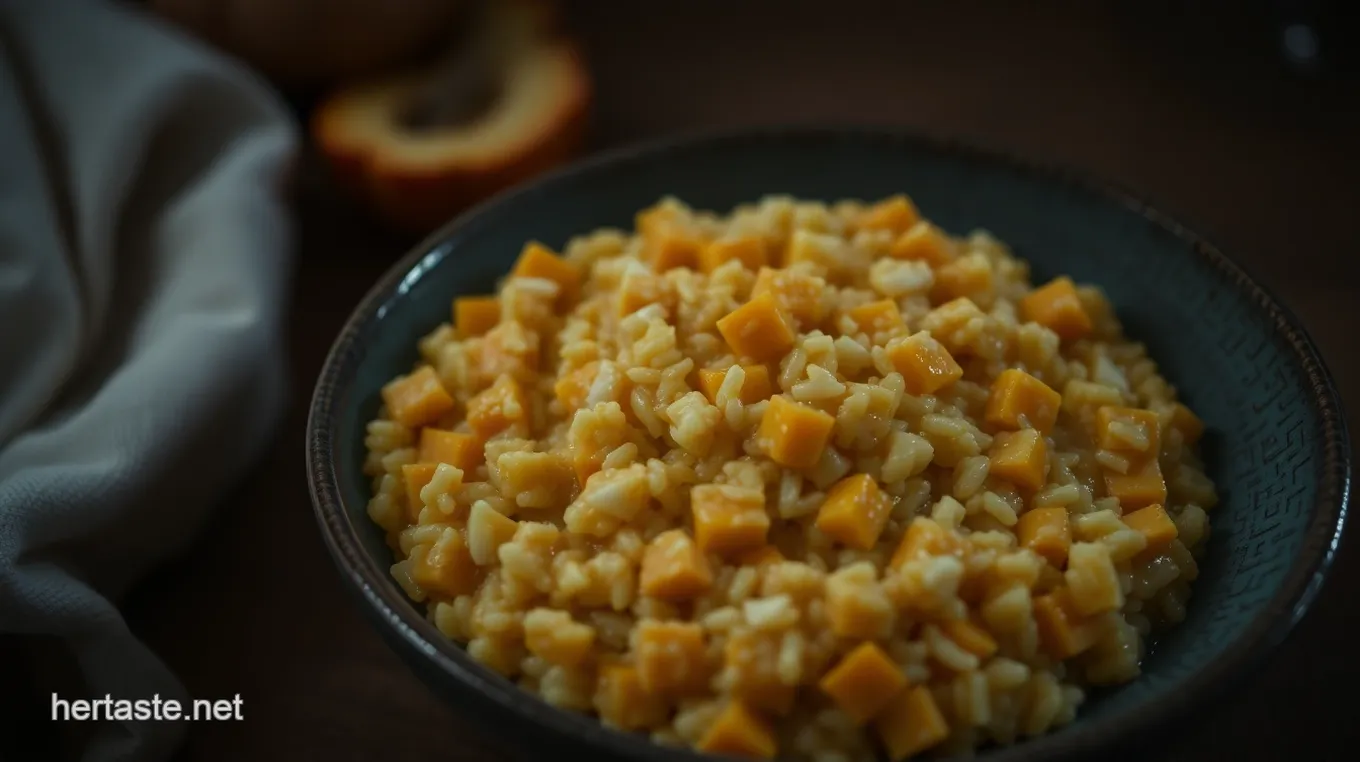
[
  {"x": 671, "y": 657},
  {"x": 538, "y": 261},
  {"x": 1019, "y": 457},
  {"x": 417, "y": 399},
  {"x": 667, "y": 245},
  {"x": 798, "y": 294},
  {"x": 924, "y": 242},
  {"x": 911, "y": 723},
  {"x": 1063, "y": 631},
  {"x": 1015, "y": 395},
  {"x": 969, "y": 276},
  {"x": 758, "y": 330},
  {"x": 970, "y": 637},
  {"x": 416, "y": 476},
  {"x": 863, "y": 682},
  {"x": 881, "y": 316},
  {"x": 447, "y": 568},
  {"x": 573, "y": 387},
  {"x": 1128, "y": 430},
  {"x": 475, "y": 315},
  {"x": 498, "y": 407},
  {"x": 1185, "y": 421},
  {"x": 673, "y": 568},
  {"x": 1057, "y": 307},
  {"x": 1142, "y": 486},
  {"x": 854, "y": 512},
  {"x": 755, "y": 384},
  {"x": 751, "y": 251},
  {"x": 738, "y": 732},
  {"x": 895, "y": 213},
  {"x": 1047, "y": 532},
  {"x": 925, "y": 537},
  {"x": 1155, "y": 525},
  {"x": 623, "y": 702},
  {"x": 728, "y": 519},
  {"x": 792, "y": 434},
  {"x": 462, "y": 451},
  {"x": 926, "y": 366}
]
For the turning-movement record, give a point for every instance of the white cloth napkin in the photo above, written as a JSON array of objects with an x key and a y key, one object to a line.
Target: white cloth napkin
[{"x": 144, "y": 253}]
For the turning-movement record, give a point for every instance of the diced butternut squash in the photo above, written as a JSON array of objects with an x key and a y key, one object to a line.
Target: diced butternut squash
[
  {"x": 751, "y": 251},
  {"x": 475, "y": 315},
  {"x": 416, "y": 476},
  {"x": 895, "y": 213},
  {"x": 799, "y": 295},
  {"x": 739, "y": 732},
  {"x": 461, "y": 451},
  {"x": 755, "y": 383},
  {"x": 671, "y": 657},
  {"x": 621, "y": 700},
  {"x": 673, "y": 568},
  {"x": 1063, "y": 631},
  {"x": 792, "y": 434},
  {"x": 728, "y": 519},
  {"x": 667, "y": 245},
  {"x": 911, "y": 723},
  {"x": 1155, "y": 525},
  {"x": 924, "y": 242},
  {"x": 552, "y": 635},
  {"x": 863, "y": 682},
  {"x": 969, "y": 276},
  {"x": 538, "y": 261},
  {"x": 854, "y": 512},
  {"x": 498, "y": 407},
  {"x": 1019, "y": 457},
  {"x": 881, "y": 316},
  {"x": 1017, "y": 397},
  {"x": 417, "y": 399},
  {"x": 1047, "y": 532},
  {"x": 926, "y": 366},
  {"x": 1189, "y": 424},
  {"x": 925, "y": 537},
  {"x": 758, "y": 329},
  {"x": 573, "y": 387},
  {"x": 446, "y": 569},
  {"x": 1142, "y": 486},
  {"x": 759, "y": 557},
  {"x": 970, "y": 637},
  {"x": 1057, "y": 307},
  {"x": 1092, "y": 580},
  {"x": 1128, "y": 430}
]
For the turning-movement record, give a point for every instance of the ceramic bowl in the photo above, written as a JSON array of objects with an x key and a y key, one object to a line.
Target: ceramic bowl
[{"x": 1276, "y": 442}]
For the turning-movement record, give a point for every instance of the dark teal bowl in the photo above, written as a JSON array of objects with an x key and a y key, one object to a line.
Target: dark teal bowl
[{"x": 1277, "y": 445}]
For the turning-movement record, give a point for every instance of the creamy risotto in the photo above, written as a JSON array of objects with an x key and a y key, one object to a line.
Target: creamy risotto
[{"x": 808, "y": 481}]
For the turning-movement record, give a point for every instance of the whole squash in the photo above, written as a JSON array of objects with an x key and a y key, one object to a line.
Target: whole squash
[{"x": 301, "y": 43}]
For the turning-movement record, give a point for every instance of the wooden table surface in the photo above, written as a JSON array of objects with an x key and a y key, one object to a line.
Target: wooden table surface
[{"x": 1189, "y": 109}]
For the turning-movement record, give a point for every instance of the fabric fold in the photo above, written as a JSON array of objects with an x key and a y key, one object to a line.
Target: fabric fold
[{"x": 144, "y": 255}]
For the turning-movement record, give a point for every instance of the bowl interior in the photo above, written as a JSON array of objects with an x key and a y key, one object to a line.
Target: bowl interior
[{"x": 1268, "y": 407}]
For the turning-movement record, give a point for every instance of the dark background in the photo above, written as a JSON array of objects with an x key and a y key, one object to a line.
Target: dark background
[{"x": 1189, "y": 103}]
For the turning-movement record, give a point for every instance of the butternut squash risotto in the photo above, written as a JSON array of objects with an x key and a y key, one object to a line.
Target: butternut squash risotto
[{"x": 821, "y": 482}]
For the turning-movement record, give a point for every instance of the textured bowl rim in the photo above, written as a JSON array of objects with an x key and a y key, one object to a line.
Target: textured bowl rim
[{"x": 1265, "y": 632}]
